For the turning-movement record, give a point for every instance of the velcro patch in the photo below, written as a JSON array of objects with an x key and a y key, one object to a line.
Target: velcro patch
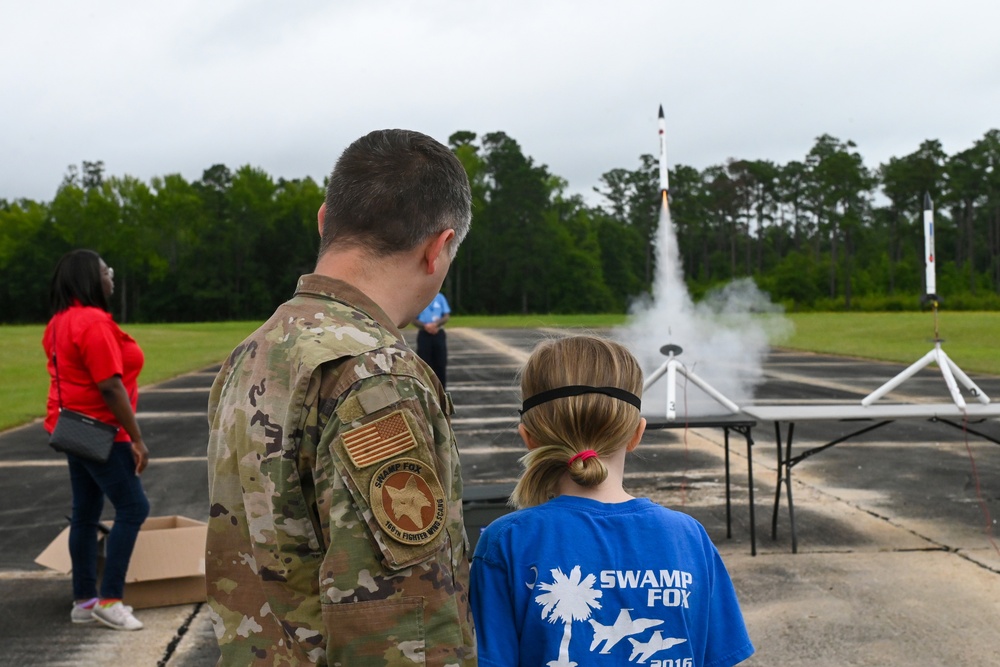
[
  {"x": 408, "y": 501},
  {"x": 379, "y": 440},
  {"x": 350, "y": 410},
  {"x": 375, "y": 399}
]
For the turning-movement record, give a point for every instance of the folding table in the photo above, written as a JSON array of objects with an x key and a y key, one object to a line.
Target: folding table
[{"x": 878, "y": 415}]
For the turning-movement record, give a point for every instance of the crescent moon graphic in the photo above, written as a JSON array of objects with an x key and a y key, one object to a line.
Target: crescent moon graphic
[{"x": 532, "y": 584}]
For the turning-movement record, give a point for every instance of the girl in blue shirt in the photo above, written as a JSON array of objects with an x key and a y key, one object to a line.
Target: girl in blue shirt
[{"x": 584, "y": 573}]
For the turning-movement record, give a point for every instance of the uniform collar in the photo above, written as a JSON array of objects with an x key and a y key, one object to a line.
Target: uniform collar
[{"x": 325, "y": 287}]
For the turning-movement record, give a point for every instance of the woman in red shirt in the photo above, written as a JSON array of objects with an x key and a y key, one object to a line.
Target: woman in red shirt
[{"x": 98, "y": 372}]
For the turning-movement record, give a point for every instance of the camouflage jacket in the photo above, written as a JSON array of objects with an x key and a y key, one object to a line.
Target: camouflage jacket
[{"x": 335, "y": 534}]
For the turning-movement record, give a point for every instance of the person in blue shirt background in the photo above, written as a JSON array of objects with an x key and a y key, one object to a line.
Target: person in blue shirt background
[{"x": 432, "y": 345}]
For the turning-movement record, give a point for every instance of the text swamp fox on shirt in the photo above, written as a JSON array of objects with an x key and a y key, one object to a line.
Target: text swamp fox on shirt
[{"x": 668, "y": 588}]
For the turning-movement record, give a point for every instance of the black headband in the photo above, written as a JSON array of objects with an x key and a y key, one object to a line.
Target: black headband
[{"x": 577, "y": 390}]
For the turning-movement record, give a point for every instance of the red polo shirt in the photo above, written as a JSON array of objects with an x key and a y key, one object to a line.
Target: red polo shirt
[{"x": 90, "y": 348}]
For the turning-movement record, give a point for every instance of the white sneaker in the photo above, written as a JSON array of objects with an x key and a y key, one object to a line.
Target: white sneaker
[
  {"x": 117, "y": 616},
  {"x": 83, "y": 612}
]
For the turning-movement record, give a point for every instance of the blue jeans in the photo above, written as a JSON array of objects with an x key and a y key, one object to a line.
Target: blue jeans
[{"x": 91, "y": 482}]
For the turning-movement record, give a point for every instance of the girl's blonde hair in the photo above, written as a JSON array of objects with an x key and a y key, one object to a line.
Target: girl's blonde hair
[{"x": 566, "y": 426}]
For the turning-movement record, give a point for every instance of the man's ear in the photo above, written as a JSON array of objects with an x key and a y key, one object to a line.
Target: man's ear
[
  {"x": 435, "y": 246},
  {"x": 529, "y": 442},
  {"x": 321, "y": 218}
]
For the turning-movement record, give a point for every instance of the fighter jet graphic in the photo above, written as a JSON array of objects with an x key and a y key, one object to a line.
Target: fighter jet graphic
[
  {"x": 656, "y": 643},
  {"x": 623, "y": 627}
]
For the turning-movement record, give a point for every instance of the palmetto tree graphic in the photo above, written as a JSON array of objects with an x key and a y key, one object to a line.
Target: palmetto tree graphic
[{"x": 567, "y": 599}]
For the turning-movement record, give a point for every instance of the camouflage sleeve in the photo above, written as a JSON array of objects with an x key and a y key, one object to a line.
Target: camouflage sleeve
[
  {"x": 263, "y": 548},
  {"x": 394, "y": 580}
]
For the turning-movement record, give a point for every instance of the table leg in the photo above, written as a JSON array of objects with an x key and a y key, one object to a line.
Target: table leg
[
  {"x": 784, "y": 477},
  {"x": 729, "y": 515},
  {"x": 777, "y": 484},
  {"x": 753, "y": 521},
  {"x": 788, "y": 485}
]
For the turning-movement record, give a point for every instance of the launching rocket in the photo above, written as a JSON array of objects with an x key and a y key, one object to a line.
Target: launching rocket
[
  {"x": 929, "y": 266},
  {"x": 664, "y": 184}
]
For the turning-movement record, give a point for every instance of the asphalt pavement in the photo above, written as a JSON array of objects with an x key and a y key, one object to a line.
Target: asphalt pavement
[{"x": 896, "y": 562}]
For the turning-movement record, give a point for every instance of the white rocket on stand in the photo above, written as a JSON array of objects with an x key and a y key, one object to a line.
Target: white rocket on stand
[
  {"x": 929, "y": 267},
  {"x": 950, "y": 371}
]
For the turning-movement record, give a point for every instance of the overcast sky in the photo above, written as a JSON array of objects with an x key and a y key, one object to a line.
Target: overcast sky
[{"x": 154, "y": 87}]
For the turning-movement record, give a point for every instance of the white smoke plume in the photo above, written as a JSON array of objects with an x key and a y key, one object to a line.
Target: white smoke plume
[{"x": 724, "y": 338}]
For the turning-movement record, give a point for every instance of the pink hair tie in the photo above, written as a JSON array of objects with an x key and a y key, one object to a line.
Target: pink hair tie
[{"x": 583, "y": 456}]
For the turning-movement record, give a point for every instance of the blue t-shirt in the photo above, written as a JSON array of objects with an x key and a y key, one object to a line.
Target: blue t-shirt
[
  {"x": 437, "y": 309},
  {"x": 579, "y": 581}
]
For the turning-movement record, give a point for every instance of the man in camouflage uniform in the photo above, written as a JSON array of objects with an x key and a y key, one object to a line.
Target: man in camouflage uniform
[{"x": 335, "y": 534}]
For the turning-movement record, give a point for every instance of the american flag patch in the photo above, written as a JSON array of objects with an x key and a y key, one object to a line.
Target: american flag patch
[{"x": 380, "y": 440}]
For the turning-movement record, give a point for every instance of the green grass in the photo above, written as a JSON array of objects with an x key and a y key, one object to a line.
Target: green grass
[
  {"x": 969, "y": 337},
  {"x": 175, "y": 349}
]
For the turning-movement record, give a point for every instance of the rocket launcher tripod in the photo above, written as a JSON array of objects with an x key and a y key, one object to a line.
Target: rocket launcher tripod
[{"x": 671, "y": 367}]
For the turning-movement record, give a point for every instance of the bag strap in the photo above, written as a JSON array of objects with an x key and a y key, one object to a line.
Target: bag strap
[{"x": 55, "y": 363}]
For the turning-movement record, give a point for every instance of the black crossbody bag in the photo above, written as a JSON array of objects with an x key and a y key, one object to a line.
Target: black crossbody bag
[{"x": 79, "y": 434}]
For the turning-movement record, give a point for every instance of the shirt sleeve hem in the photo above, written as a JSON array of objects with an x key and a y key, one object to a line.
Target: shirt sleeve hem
[{"x": 734, "y": 657}]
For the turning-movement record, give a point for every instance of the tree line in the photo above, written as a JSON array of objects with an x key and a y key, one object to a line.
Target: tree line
[{"x": 825, "y": 232}]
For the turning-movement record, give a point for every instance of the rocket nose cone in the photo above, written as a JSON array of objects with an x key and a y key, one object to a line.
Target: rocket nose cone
[
  {"x": 661, "y": 111},
  {"x": 927, "y": 201}
]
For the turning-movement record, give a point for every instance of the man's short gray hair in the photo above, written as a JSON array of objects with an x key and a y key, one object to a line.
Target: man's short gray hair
[{"x": 393, "y": 189}]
